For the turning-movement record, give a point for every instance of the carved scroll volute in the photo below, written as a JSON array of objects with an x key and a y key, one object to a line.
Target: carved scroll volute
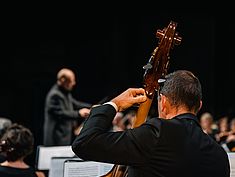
[{"x": 158, "y": 63}]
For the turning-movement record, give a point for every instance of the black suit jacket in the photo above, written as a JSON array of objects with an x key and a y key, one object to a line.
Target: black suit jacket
[
  {"x": 159, "y": 148},
  {"x": 60, "y": 109}
]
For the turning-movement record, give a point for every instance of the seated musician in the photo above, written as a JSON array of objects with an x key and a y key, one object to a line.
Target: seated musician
[{"x": 16, "y": 144}]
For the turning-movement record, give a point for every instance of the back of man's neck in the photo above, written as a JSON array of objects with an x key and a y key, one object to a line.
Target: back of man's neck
[
  {"x": 177, "y": 112},
  {"x": 15, "y": 164}
]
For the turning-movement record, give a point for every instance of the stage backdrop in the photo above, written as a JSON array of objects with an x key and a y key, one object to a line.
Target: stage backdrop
[{"x": 107, "y": 52}]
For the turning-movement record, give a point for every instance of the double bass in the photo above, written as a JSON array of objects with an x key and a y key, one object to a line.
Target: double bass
[{"x": 155, "y": 70}]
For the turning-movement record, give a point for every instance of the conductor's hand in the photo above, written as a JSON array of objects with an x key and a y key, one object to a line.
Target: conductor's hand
[
  {"x": 84, "y": 112},
  {"x": 130, "y": 97}
]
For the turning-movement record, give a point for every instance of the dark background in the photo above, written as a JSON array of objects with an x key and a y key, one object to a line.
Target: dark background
[{"x": 107, "y": 52}]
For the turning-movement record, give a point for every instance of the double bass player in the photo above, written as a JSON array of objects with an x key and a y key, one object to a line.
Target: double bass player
[{"x": 172, "y": 144}]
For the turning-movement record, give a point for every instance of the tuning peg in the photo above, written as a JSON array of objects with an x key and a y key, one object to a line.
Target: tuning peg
[
  {"x": 161, "y": 80},
  {"x": 147, "y": 66},
  {"x": 177, "y": 39}
]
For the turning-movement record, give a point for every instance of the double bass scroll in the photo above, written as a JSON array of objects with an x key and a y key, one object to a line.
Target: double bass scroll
[{"x": 157, "y": 68}]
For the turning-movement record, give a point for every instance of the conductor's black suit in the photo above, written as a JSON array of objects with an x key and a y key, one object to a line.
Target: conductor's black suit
[{"x": 60, "y": 111}]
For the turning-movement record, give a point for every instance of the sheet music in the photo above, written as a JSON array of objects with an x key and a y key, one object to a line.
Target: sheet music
[
  {"x": 57, "y": 166},
  {"x": 231, "y": 156},
  {"x": 44, "y": 155},
  {"x": 86, "y": 169}
]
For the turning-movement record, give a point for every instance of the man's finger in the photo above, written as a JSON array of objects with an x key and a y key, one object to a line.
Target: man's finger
[
  {"x": 138, "y": 91},
  {"x": 140, "y": 99}
]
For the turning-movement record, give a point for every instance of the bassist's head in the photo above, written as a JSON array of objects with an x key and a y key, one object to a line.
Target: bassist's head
[{"x": 180, "y": 93}]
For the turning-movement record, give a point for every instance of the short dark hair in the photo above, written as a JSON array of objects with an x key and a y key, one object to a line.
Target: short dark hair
[
  {"x": 17, "y": 142},
  {"x": 182, "y": 87}
]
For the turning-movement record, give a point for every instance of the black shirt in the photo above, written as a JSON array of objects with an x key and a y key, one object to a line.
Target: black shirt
[{"x": 17, "y": 172}]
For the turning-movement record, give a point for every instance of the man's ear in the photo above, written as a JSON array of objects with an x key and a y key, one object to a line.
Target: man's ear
[
  {"x": 62, "y": 80},
  {"x": 200, "y": 105},
  {"x": 163, "y": 102},
  {"x": 162, "y": 107}
]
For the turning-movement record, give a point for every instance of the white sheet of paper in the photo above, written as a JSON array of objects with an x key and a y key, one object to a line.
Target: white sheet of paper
[
  {"x": 231, "y": 157},
  {"x": 57, "y": 166},
  {"x": 86, "y": 169},
  {"x": 44, "y": 155}
]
